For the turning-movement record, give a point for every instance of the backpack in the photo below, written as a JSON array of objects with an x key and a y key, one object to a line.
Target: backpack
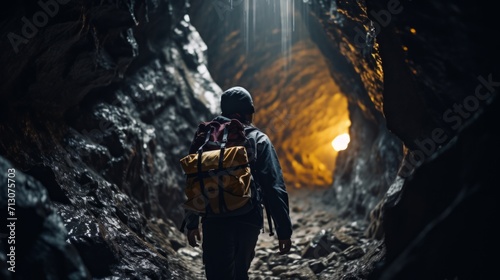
[{"x": 217, "y": 171}]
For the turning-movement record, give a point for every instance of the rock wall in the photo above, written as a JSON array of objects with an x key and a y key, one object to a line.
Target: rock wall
[
  {"x": 99, "y": 101},
  {"x": 369, "y": 166},
  {"x": 440, "y": 91}
]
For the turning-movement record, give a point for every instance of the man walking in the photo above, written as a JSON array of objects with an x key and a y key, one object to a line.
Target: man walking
[{"x": 229, "y": 243}]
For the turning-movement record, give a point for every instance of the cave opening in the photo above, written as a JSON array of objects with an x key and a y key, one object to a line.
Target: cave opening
[{"x": 267, "y": 48}]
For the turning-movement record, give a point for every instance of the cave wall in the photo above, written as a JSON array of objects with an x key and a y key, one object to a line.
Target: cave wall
[
  {"x": 440, "y": 91},
  {"x": 438, "y": 67},
  {"x": 437, "y": 54},
  {"x": 437, "y": 94},
  {"x": 98, "y": 103},
  {"x": 343, "y": 30},
  {"x": 35, "y": 229}
]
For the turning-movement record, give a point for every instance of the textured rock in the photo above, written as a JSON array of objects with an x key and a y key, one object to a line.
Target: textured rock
[
  {"x": 445, "y": 118},
  {"x": 102, "y": 102},
  {"x": 448, "y": 213},
  {"x": 436, "y": 63},
  {"x": 368, "y": 167},
  {"x": 34, "y": 245}
]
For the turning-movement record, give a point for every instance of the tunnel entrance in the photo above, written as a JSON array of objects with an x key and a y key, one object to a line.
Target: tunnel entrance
[{"x": 266, "y": 48}]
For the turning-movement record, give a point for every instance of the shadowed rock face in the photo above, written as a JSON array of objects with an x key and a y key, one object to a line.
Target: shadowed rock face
[
  {"x": 99, "y": 105},
  {"x": 34, "y": 236},
  {"x": 440, "y": 91}
]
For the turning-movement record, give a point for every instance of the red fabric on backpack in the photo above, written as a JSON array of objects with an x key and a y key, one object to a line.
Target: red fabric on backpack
[
  {"x": 236, "y": 135},
  {"x": 218, "y": 175}
]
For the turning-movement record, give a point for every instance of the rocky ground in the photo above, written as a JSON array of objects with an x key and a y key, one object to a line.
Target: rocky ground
[{"x": 324, "y": 246}]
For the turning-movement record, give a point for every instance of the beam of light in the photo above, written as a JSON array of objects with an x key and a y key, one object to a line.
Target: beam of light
[{"x": 341, "y": 142}]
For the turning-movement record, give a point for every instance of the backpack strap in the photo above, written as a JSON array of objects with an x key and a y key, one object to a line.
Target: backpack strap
[
  {"x": 268, "y": 212},
  {"x": 202, "y": 185},
  {"x": 269, "y": 218},
  {"x": 200, "y": 171},
  {"x": 222, "y": 203}
]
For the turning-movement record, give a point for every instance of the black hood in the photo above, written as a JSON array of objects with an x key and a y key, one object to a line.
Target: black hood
[{"x": 236, "y": 100}]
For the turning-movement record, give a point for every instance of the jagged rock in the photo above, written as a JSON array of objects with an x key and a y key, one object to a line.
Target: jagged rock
[
  {"x": 294, "y": 256},
  {"x": 321, "y": 245},
  {"x": 318, "y": 265},
  {"x": 353, "y": 252},
  {"x": 279, "y": 269},
  {"x": 188, "y": 252},
  {"x": 34, "y": 236},
  {"x": 332, "y": 257},
  {"x": 276, "y": 260},
  {"x": 101, "y": 104},
  {"x": 342, "y": 240}
]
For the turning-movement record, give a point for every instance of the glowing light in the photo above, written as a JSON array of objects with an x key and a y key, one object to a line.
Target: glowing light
[
  {"x": 413, "y": 30},
  {"x": 341, "y": 142}
]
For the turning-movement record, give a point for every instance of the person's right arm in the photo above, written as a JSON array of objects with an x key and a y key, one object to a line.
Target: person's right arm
[
  {"x": 193, "y": 230},
  {"x": 270, "y": 178}
]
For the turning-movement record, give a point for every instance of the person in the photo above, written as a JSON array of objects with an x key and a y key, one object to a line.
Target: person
[{"x": 228, "y": 244}]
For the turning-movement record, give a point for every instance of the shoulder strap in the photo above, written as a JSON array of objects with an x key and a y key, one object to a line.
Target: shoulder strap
[
  {"x": 222, "y": 203},
  {"x": 200, "y": 176}
]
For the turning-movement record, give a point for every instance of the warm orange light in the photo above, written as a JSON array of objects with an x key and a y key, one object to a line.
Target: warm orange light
[
  {"x": 341, "y": 142},
  {"x": 413, "y": 30}
]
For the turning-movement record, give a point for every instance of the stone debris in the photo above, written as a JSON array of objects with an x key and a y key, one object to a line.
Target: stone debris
[{"x": 323, "y": 246}]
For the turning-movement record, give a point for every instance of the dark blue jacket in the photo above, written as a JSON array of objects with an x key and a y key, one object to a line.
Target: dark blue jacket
[{"x": 268, "y": 175}]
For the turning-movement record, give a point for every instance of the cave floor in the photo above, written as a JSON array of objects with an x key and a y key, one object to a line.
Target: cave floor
[{"x": 324, "y": 246}]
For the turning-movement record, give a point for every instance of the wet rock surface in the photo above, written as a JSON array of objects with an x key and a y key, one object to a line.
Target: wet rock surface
[
  {"x": 99, "y": 111},
  {"x": 34, "y": 236}
]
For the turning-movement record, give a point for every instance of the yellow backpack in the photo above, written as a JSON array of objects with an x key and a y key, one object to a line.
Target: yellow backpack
[{"x": 217, "y": 171}]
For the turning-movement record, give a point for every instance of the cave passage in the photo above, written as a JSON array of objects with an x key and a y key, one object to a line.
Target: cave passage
[
  {"x": 266, "y": 47},
  {"x": 383, "y": 113}
]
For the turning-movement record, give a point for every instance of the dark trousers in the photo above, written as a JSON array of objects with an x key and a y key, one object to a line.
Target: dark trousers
[{"x": 228, "y": 249}]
